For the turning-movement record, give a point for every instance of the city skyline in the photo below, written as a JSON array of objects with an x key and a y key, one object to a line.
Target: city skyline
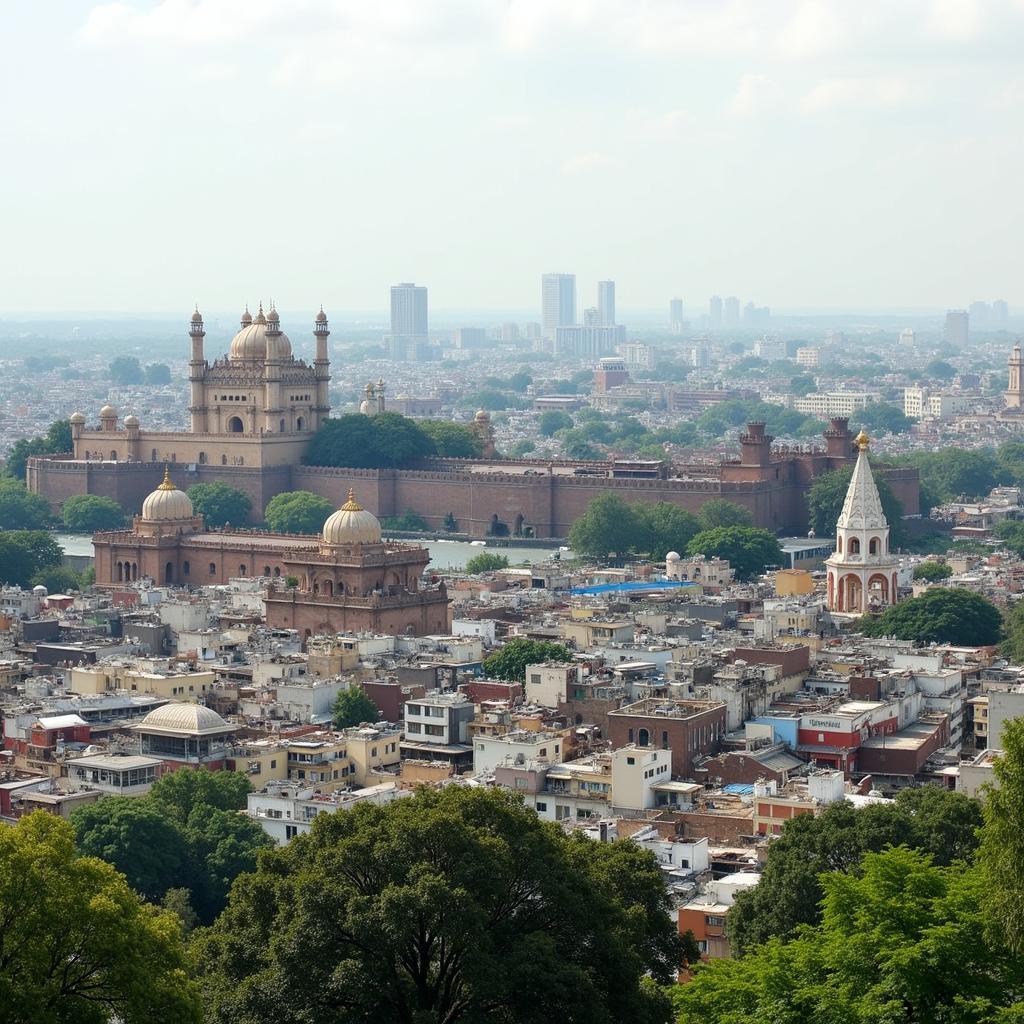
[{"x": 777, "y": 151}]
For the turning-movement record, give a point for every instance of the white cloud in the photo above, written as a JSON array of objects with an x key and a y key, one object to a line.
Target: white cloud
[
  {"x": 869, "y": 93},
  {"x": 755, "y": 94}
]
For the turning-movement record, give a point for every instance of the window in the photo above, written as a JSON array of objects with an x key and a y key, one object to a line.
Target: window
[
  {"x": 291, "y": 831},
  {"x": 630, "y": 760},
  {"x": 541, "y": 807},
  {"x": 520, "y": 783},
  {"x": 434, "y": 730},
  {"x": 213, "y": 568},
  {"x": 664, "y": 739},
  {"x": 185, "y": 568},
  {"x": 643, "y": 738},
  {"x": 535, "y": 678},
  {"x": 273, "y": 764}
]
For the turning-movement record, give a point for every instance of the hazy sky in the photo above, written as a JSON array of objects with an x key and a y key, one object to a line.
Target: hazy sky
[{"x": 852, "y": 154}]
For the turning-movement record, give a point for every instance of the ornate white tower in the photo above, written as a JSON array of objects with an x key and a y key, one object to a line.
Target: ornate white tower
[
  {"x": 196, "y": 373},
  {"x": 1014, "y": 389},
  {"x": 321, "y": 368},
  {"x": 862, "y": 569}
]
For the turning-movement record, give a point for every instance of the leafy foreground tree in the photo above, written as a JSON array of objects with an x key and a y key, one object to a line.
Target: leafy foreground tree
[
  {"x": 827, "y": 493},
  {"x": 87, "y": 513},
  {"x": 185, "y": 834},
  {"x": 451, "y": 440},
  {"x": 218, "y": 503},
  {"x": 353, "y": 707},
  {"x": 748, "y": 550},
  {"x": 297, "y": 512},
  {"x": 932, "y": 572},
  {"x": 20, "y": 509},
  {"x": 935, "y": 821},
  {"x": 385, "y": 441},
  {"x": 76, "y": 944},
  {"x": 457, "y": 905},
  {"x": 56, "y": 441},
  {"x": 719, "y": 512},
  {"x": 26, "y": 553},
  {"x": 943, "y": 615},
  {"x": 510, "y": 661},
  {"x": 486, "y": 562},
  {"x": 902, "y": 941}
]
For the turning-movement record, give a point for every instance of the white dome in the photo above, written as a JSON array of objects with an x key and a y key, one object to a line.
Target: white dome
[
  {"x": 167, "y": 502},
  {"x": 184, "y": 717},
  {"x": 352, "y": 524},
  {"x": 108, "y": 411},
  {"x": 76, "y": 418},
  {"x": 253, "y": 344},
  {"x": 131, "y": 421},
  {"x": 673, "y": 556}
]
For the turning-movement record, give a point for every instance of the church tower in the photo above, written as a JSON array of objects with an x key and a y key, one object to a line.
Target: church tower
[
  {"x": 862, "y": 569},
  {"x": 1015, "y": 389}
]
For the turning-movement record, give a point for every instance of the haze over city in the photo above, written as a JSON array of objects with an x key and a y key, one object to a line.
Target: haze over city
[{"x": 812, "y": 155}]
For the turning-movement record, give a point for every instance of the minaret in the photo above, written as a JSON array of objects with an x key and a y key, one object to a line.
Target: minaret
[
  {"x": 273, "y": 370},
  {"x": 1014, "y": 390},
  {"x": 380, "y": 395},
  {"x": 862, "y": 569},
  {"x": 196, "y": 374},
  {"x": 322, "y": 369}
]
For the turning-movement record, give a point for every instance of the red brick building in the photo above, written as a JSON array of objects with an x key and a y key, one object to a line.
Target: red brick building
[{"x": 689, "y": 728}]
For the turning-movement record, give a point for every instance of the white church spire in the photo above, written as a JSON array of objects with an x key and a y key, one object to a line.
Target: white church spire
[{"x": 862, "y": 509}]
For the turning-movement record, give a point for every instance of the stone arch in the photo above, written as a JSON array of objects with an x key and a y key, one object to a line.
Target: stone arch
[
  {"x": 202, "y": 458},
  {"x": 277, "y": 572},
  {"x": 874, "y": 546},
  {"x": 853, "y": 546},
  {"x": 120, "y": 572},
  {"x": 223, "y": 460},
  {"x": 135, "y": 570},
  {"x": 852, "y": 596},
  {"x": 266, "y": 570},
  {"x": 185, "y": 568},
  {"x": 643, "y": 738},
  {"x": 235, "y": 425},
  {"x": 329, "y": 588},
  {"x": 280, "y": 427},
  {"x": 241, "y": 569},
  {"x": 113, "y": 456},
  {"x": 169, "y": 572},
  {"x": 878, "y": 587},
  {"x": 518, "y": 527}
]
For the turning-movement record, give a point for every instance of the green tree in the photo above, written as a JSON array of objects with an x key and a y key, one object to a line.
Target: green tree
[
  {"x": 1013, "y": 645},
  {"x": 180, "y": 793},
  {"x": 1001, "y": 856},
  {"x": 941, "y": 615},
  {"x": 940, "y": 369},
  {"x": 932, "y": 572},
  {"x": 386, "y": 440},
  {"x": 881, "y": 418},
  {"x": 553, "y": 420},
  {"x": 218, "y": 503},
  {"x": 902, "y": 940},
  {"x": 451, "y": 440},
  {"x": 827, "y": 493},
  {"x": 450, "y": 905},
  {"x": 353, "y": 707},
  {"x": 662, "y": 527},
  {"x": 88, "y": 513},
  {"x": 510, "y": 661},
  {"x": 58, "y": 438},
  {"x": 486, "y": 562},
  {"x": 77, "y": 945},
  {"x": 748, "y": 550},
  {"x": 179, "y": 902},
  {"x": 408, "y": 520},
  {"x": 297, "y": 512},
  {"x": 59, "y": 579},
  {"x": 24, "y": 553},
  {"x": 608, "y": 525},
  {"x": 20, "y": 509},
  {"x": 953, "y": 473},
  {"x": 719, "y": 512},
  {"x": 158, "y": 373},
  {"x": 126, "y": 370},
  {"x": 56, "y": 441}
]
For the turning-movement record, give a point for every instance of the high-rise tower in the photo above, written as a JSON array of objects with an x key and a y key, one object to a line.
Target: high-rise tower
[{"x": 558, "y": 302}]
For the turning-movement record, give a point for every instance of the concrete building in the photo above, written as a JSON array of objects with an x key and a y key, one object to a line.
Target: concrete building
[
  {"x": 921, "y": 403},
  {"x": 588, "y": 339},
  {"x": 731, "y": 311},
  {"x": 606, "y": 302},
  {"x": 675, "y": 316},
  {"x": 832, "y": 404},
  {"x": 688, "y": 728},
  {"x": 114, "y": 774},
  {"x": 185, "y": 736},
  {"x": 437, "y": 729},
  {"x": 715, "y": 311},
  {"x": 409, "y": 331},
  {"x": 558, "y": 302},
  {"x": 956, "y": 330}
]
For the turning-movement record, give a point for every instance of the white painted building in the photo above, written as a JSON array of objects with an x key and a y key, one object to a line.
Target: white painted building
[{"x": 519, "y": 747}]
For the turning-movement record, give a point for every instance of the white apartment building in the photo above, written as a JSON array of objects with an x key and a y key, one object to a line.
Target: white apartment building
[
  {"x": 549, "y": 683},
  {"x": 936, "y": 405},
  {"x": 439, "y": 719},
  {"x": 826, "y": 404},
  {"x": 518, "y": 747},
  {"x": 675, "y": 853},
  {"x": 808, "y": 356}
]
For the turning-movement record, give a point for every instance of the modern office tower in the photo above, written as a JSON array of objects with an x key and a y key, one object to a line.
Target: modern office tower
[
  {"x": 979, "y": 313},
  {"x": 908, "y": 336},
  {"x": 592, "y": 317},
  {"x": 606, "y": 302},
  {"x": 700, "y": 355},
  {"x": 715, "y": 311},
  {"x": 755, "y": 316},
  {"x": 558, "y": 302},
  {"x": 956, "y": 329},
  {"x": 732, "y": 311},
  {"x": 470, "y": 337},
  {"x": 599, "y": 340},
  {"x": 675, "y": 316},
  {"x": 409, "y": 310},
  {"x": 509, "y": 331},
  {"x": 1000, "y": 314}
]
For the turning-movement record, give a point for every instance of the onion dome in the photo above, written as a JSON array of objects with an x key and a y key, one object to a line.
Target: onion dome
[
  {"x": 260, "y": 338},
  {"x": 321, "y": 317},
  {"x": 76, "y": 419},
  {"x": 107, "y": 412},
  {"x": 246, "y": 317},
  {"x": 167, "y": 503},
  {"x": 197, "y": 317},
  {"x": 673, "y": 556},
  {"x": 352, "y": 524},
  {"x": 131, "y": 421},
  {"x": 272, "y": 317}
]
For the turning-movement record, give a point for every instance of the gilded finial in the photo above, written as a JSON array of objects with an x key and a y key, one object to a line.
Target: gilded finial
[
  {"x": 862, "y": 440},
  {"x": 167, "y": 485},
  {"x": 352, "y": 505}
]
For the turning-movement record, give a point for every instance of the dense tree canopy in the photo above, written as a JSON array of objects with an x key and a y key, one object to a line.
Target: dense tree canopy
[
  {"x": 936, "y": 821},
  {"x": 486, "y": 562},
  {"x": 26, "y": 553},
  {"x": 902, "y": 940},
  {"x": 779, "y": 421},
  {"x": 452, "y": 905},
  {"x": 451, "y": 440},
  {"x": 719, "y": 512},
  {"x": 158, "y": 373},
  {"x": 510, "y": 661},
  {"x": 942, "y": 615},
  {"x": 952, "y": 473},
  {"x": 77, "y": 946},
  {"x": 407, "y": 520},
  {"x": 553, "y": 420},
  {"x": 88, "y": 513},
  {"x": 385, "y": 441},
  {"x": 126, "y": 370},
  {"x": 20, "y": 509},
  {"x": 218, "y": 503},
  {"x": 932, "y": 572},
  {"x": 611, "y": 526},
  {"x": 297, "y": 512},
  {"x": 353, "y": 706},
  {"x": 881, "y": 418},
  {"x": 56, "y": 440},
  {"x": 185, "y": 834},
  {"x": 749, "y": 551},
  {"x": 827, "y": 493}
]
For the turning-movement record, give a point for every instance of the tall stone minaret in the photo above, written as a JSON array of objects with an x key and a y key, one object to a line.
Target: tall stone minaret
[
  {"x": 322, "y": 369},
  {"x": 196, "y": 373},
  {"x": 1015, "y": 389}
]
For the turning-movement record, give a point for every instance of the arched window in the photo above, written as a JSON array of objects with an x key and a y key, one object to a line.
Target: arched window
[
  {"x": 185, "y": 568},
  {"x": 120, "y": 572},
  {"x": 213, "y": 568},
  {"x": 266, "y": 570},
  {"x": 235, "y": 425},
  {"x": 854, "y": 546},
  {"x": 874, "y": 546},
  {"x": 241, "y": 569},
  {"x": 202, "y": 458},
  {"x": 329, "y": 588},
  {"x": 135, "y": 570},
  {"x": 169, "y": 572},
  {"x": 152, "y": 455},
  {"x": 643, "y": 738},
  {"x": 113, "y": 456},
  {"x": 300, "y": 424},
  {"x": 277, "y": 572}
]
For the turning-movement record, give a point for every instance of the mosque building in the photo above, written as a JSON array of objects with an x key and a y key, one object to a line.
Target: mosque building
[
  {"x": 862, "y": 570},
  {"x": 346, "y": 579}
]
